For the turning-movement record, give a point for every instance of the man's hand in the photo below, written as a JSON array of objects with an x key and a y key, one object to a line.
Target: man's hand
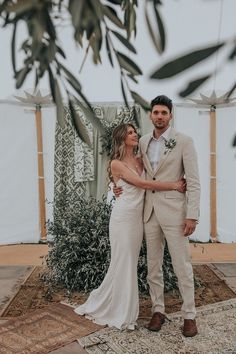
[
  {"x": 189, "y": 226},
  {"x": 117, "y": 191}
]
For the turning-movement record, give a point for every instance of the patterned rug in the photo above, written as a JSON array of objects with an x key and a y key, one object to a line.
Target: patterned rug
[
  {"x": 217, "y": 335},
  {"x": 43, "y": 330},
  {"x": 33, "y": 294}
]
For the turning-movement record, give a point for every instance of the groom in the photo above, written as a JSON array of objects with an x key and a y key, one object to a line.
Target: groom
[{"x": 170, "y": 216}]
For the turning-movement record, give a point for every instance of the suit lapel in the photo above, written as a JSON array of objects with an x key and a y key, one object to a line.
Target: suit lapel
[
  {"x": 164, "y": 153},
  {"x": 145, "y": 157},
  {"x": 163, "y": 157}
]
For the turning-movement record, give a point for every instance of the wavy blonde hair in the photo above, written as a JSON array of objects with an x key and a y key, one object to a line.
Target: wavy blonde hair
[{"x": 118, "y": 144}]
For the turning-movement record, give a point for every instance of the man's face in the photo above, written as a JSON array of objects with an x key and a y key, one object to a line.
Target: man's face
[{"x": 160, "y": 117}]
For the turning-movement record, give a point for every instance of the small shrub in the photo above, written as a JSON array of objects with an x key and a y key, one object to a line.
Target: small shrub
[{"x": 80, "y": 254}]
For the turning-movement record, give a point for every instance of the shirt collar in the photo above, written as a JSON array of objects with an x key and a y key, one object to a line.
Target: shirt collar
[{"x": 165, "y": 135}]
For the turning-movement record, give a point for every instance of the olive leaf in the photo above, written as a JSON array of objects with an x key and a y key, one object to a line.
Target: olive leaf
[
  {"x": 108, "y": 48},
  {"x": 59, "y": 104},
  {"x": 132, "y": 78},
  {"x": 128, "y": 64},
  {"x": 160, "y": 27},
  {"x": 36, "y": 81},
  {"x": 51, "y": 83},
  {"x": 130, "y": 18},
  {"x": 184, "y": 62},
  {"x": 234, "y": 141},
  {"x": 71, "y": 78},
  {"x": 124, "y": 41},
  {"x": 193, "y": 85},
  {"x": 123, "y": 93},
  {"x": 20, "y": 7},
  {"x": 136, "y": 116},
  {"x": 88, "y": 112},
  {"x": 112, "y": 15},
  {"x": 60, "y": 51},
  {"x": 154, "y": 39},
  {"x": 231, "y": 90},
  {"x": 21, "y": 76},
  {"x": 79, "y": 125},
  {"x": 141, "y": 101},
  {"x": 76, "y": 10},
  {"x": 158, "y": 40},
  {"x": 232, "y": 54},
  {"x": 13, "y": 47},
  {"x": 116, "y": 2}
]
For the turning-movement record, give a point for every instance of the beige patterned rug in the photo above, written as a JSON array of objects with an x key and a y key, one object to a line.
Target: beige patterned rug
[
  {"x": 217, "y": 335},
  {"x": 34, "y": 294},
  {"x": 43, "y": 330}
]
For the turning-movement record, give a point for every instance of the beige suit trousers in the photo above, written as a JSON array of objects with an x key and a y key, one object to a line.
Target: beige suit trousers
[{"x": 178, "y": 245}]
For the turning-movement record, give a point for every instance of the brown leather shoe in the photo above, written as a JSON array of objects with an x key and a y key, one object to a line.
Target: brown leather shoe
[
  {"x": 156, "y": 322},
  {"x": 189, "y": 328}
]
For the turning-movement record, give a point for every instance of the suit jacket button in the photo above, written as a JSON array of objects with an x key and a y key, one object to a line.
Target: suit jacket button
[
  {"x": 153, "y": 191},
  {"x": 154, "y": 178}
]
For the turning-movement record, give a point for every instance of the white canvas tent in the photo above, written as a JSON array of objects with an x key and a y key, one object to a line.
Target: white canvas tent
[
  {"x": 19, "y": 201},
  {"x": 195, "y": 122}
]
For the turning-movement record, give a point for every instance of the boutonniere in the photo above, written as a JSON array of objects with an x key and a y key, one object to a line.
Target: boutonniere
[{"x": 169, "y": 145}]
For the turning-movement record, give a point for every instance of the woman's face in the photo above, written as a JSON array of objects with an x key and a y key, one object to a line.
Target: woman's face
[{"x": 131, "y": 138}]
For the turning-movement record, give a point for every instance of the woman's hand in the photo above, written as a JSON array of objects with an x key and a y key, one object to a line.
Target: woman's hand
[{"x": 181, "y": 185}]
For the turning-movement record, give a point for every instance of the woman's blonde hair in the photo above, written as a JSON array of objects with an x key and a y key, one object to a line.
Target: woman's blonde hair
[{"x": 118, "y": 144}]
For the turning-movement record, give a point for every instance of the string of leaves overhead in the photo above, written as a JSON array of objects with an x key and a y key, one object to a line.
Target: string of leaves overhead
[{"x": 96, "y": 23}]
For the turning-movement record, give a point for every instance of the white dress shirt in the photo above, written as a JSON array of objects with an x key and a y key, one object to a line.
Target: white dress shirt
[{"x": 155, "y": 147}]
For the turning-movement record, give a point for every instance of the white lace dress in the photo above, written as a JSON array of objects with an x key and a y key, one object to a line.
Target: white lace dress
[{"x": 116, "y": 301}]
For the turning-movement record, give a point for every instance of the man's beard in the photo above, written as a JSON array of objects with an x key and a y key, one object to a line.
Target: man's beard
[{"x": 160, "y": 125}]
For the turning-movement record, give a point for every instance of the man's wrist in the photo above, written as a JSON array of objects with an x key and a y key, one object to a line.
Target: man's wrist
[{"x": 196, "y": 221}]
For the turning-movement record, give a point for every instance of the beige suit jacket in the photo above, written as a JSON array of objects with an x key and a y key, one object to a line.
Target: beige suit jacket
[{"x": 172, "y": 207}]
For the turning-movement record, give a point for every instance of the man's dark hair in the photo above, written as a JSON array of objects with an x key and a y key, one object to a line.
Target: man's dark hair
[{"x": 162, "y": 100}]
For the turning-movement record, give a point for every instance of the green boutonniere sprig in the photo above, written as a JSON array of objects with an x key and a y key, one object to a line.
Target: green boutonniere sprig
[{"x": 169, "y": 145}]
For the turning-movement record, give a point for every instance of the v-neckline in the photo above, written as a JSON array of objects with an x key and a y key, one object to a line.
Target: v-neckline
[{"x": 131, "y": 169}]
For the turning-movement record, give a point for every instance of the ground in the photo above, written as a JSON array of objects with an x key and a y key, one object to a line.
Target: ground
[{"x": 34, "y": 294}]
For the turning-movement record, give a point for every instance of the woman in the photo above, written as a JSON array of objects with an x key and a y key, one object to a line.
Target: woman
[{"x": 116, "y": 301}]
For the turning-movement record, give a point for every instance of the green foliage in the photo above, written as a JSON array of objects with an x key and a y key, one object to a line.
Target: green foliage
[
  {"x": 158, "y": 36},
  {"x": 185, "y": 62},
  {"x": 80, "y": 254},
  {"x": 193, "y": 85},
  {"x": 95, "y": 23}
]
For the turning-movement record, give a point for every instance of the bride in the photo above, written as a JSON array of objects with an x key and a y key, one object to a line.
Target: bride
[{"x": 116, "y": 301}]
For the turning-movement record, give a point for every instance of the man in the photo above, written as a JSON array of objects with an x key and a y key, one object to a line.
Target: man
[{"x": 170, "y": 216}]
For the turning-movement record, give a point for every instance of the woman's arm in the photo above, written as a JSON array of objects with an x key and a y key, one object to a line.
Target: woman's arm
[{"x": 119, "y": 170}]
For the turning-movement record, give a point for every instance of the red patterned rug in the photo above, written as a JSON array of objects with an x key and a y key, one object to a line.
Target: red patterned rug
[{"x": 43, "y": 330}]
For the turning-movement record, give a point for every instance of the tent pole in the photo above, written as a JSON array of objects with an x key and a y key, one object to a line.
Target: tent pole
[
  {"x": 213, "y": 207},
  {"x": 41, "y": 185}
]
